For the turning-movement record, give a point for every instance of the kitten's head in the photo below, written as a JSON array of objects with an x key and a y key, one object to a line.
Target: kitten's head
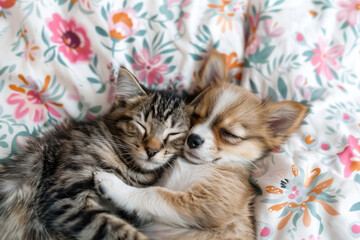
[{"x": 149, "y": 127}]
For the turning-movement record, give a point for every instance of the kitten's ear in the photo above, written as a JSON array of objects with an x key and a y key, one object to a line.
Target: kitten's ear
[
  {"x": 283, "y": 118},
  {"x": 127, "y": 85},
  {"x": 215, "y": 69}
]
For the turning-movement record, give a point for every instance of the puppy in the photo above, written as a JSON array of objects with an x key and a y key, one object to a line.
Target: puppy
[{"x": 208, "y": 196}]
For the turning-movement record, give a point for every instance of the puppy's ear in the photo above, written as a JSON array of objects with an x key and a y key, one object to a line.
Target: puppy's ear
[
  {"x": 127, "y": 85},
  {"x": 215, "y": 69},
  {"x": 284, "y": 118}
]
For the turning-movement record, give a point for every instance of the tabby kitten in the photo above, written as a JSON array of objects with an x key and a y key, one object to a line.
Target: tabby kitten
[{"x": 47, "y": 190}]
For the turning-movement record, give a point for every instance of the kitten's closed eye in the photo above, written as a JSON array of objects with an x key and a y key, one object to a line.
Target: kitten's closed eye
[
  {"x": 141, "y": 128},
  {"x": 171, "y": 136}
]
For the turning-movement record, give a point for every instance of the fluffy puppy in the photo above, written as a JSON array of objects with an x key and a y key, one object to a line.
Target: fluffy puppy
[{"x": 209, "y": 195}]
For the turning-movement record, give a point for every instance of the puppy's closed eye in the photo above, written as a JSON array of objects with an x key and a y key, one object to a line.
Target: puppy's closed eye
[
  {"x": 226, "y": 133},
  {"x": 230, "y": 137}
]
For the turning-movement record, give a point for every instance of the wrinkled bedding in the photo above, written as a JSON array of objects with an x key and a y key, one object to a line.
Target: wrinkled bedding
[{"x": 58, "y": 58}]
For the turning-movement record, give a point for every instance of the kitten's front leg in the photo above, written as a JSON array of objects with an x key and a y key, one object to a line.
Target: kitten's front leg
[
  {"x": 112, "y": 188},
  {"x": 146, "y": 202}
]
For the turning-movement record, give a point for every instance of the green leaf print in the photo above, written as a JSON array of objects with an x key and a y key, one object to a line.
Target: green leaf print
[
  {"x": 261, "y": 56},
  {"x": 282, "y": 87}
]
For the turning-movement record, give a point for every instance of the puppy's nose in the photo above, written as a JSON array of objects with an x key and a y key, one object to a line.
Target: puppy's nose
[
  {"x": 151, "y": 151},
  {"x": 194, "y": 141}
]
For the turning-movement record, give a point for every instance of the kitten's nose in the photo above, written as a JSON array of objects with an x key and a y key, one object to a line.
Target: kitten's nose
[
  {"x": 194, "y": 141},
  {"x": 151, "y": 151}
]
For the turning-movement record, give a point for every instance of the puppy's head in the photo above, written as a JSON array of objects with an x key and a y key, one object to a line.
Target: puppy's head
[{"x": 230, "y": 124}]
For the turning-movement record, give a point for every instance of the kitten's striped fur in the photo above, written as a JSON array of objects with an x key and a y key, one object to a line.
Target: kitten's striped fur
[{"x": 47, "y": 190}]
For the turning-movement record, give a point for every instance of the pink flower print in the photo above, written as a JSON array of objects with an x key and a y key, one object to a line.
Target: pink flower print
[
  {"x": 325, "y": 58},
  {"x": 253, "y": 44},
  {"x": 271, "y": 29},
  {"x": 255, "y": 39},
  {"x": 354, "y": 229},
  {"x": 350, "y": 157},
  {"x": 182, "y": 5},
  {"x": 150, "y": 67},
  {"x": 239, "y": 6},
  {"x": 32, "y": 101},
  {"x": 265, "y": 231},
  {"x": 29, "y": 52},
  {"x": 254, "y": 22},
  {"x": 325, "y": 146},
  {"x": 180, "y": 22},
  {"x": 341, "y": 87},
  {"x": 345, "y": 117},
  {"x": 312, "y": 237},
  {"x": 349, "y": 11},
  {"x": 294, "y": 194},
  {"x": 299, "y": 37},
  {"x": 123, "y": 23},
  {"x": 71, "y": 37}
]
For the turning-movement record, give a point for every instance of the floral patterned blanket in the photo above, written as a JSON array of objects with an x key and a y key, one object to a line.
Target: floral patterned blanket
[{"x": 57, "y": 59}]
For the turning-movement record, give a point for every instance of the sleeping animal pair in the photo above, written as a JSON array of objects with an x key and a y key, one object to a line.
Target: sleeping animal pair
[
  {"x": 143, "y": 188},
  {"x": 230, "y": 128}
]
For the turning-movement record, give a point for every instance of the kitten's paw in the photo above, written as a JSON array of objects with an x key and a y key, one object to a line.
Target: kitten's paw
[{"x": 104, "y": 183}]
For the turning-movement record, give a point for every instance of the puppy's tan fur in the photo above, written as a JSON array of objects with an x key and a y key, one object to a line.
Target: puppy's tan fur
[
  {"x": 213, "y": 199},
  {"x": 219, "y": 206}
]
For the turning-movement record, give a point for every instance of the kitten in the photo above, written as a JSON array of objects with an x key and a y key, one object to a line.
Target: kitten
[
  {"x": 47, "y": 190},
  {"x": 211, "y": 200}
]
